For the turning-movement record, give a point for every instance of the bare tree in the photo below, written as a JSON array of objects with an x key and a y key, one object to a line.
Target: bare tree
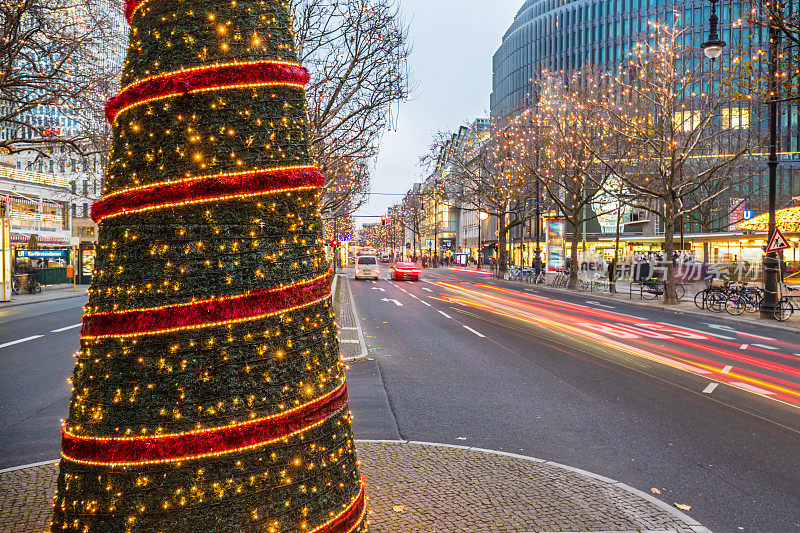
[
  {"x": 57, "y": 63},
  {"x": 356, "y": 53},
  {"x": 413, "y": 217},
  {"x": 673, "y": 112},
  {"x": 561, "y": 134},
  {"x": 485, "y": 176}
]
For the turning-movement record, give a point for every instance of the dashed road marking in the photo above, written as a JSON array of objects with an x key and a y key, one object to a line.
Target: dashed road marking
[
  {"x": 59, "y": 330},
  {"x": 348, "y": 327},
  {"x": 710, "y": 388},
  {"x": 473, "y": 331},
  {"x": 349, "y": 341},
  {"x": 726, "y": 369},
  {"x": 26, "y": 339},
  {"x": 426, "y": 289},
  {"x": 426, "y": 303},
  {"x": 766, "y": 346},
  {"x": 753, "y": 388},
  {"x": 444, "y": 314},
  {"x": 743, "y": 346}
]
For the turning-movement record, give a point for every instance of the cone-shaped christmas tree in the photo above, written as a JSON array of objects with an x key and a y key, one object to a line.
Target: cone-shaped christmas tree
[{"x": 208, "y": 394}]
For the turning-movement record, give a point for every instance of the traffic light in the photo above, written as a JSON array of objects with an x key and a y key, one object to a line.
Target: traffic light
[
  {"x": 334, "y": 243},
  {"x": 383, "y": 220}
]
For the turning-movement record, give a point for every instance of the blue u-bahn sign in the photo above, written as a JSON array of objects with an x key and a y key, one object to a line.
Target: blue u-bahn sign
[
  {"x": 343, "y": 237},
  {"x": 43, "y": 254}
]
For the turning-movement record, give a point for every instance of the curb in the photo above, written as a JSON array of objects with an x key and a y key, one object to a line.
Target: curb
[
  {"x": 678, "y": 515},
  {"x": 4, "y": 305},
  {"x": 677, "y": 311},
  {"x": 359, "y": 331}
]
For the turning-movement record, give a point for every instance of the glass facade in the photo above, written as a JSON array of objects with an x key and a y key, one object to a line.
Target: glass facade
[{"x": 564, "y": 35}]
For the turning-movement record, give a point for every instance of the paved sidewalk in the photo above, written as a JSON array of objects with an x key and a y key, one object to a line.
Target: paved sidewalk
[
  {"x": 49, "y": 292},
  {"x": 351, "y": 339},
  {"x": 423, "y": 487}
]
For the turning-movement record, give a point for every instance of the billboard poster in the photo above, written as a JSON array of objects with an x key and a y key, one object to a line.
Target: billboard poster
[
  {"x": 736, "y": 214},
  {"x": 554, "y": 237}
]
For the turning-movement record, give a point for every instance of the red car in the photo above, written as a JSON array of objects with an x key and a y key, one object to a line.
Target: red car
[{"x": 408, "y": 271}]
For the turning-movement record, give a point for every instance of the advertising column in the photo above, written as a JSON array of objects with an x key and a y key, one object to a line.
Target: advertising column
[{"x": 554, "y": 243}]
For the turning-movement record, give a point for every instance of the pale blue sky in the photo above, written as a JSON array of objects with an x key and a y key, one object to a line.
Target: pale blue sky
[{"x": 452, "y": 63}]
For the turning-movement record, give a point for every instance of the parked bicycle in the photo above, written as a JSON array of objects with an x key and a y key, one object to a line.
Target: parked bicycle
[
  {"x": 652, "y": 289},
  {"x": 743, "y": 299},
  {"x": 785, "y": 306},
  {"x": 560, "y": 279}
]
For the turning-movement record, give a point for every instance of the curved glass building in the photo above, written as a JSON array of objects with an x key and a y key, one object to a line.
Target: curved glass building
[
  {"x": 554, "y": 35},
  {"x": 566, "y": 35}
]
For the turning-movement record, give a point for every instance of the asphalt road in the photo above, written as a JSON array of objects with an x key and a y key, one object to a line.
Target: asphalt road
[{"x": 703, "y": 411}]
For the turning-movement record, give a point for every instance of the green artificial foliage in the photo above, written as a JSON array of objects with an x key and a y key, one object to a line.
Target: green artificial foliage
[{"x": 198, "y": 378}]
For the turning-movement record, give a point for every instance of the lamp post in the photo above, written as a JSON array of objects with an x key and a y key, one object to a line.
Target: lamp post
[
  {"x": 770, "y": 261},
  {"x": 712, "y": 48}
]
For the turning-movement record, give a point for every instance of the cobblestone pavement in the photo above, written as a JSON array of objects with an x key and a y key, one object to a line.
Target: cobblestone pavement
[{"x": 416, "y": 487}]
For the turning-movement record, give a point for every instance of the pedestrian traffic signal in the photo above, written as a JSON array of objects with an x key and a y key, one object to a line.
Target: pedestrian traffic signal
[{"x": 334, "y": 243}]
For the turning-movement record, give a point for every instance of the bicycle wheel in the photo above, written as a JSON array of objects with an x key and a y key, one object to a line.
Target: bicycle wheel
[
  {"x": 601, "y": 286},
  {"x": 650, "y": 292},
  {"x": 735, "y": 305},
  {"x": 680, "y": 290},
  {"x": 583, "y": 285},
  {"x": 753, "y": 303},
  {"x": 15, "y": 287},
  {"x": 700, "y": 299},
  {"x": 783, "y": 310},
  {"x": 715, "y": 302}
]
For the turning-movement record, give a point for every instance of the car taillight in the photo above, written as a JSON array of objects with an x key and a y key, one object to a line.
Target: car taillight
[{"x": 358, "y": 271}]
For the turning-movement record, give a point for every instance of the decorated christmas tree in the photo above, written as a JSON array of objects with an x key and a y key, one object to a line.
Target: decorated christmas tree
[{"x": 208, "y": 392}]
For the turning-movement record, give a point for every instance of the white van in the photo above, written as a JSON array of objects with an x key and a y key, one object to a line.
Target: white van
[{"x": 367, "y": 267}]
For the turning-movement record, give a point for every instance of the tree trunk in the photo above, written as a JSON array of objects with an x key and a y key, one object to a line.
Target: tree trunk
[
  {"x": 502, "y": 253},
  {"x": 670, "y": 294},
  {"x": 573, "y": 258}
]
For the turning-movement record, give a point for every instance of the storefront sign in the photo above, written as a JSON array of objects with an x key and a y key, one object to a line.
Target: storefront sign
[
  {"x": 554, "y": 237},
  {"x": 43, "y": 254},
  {"x": 87, "y": 263}
]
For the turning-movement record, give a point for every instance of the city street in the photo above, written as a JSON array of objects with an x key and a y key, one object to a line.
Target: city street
[
  {"x": 702, "y": 411},
  {"x": 705, "y": 412}
]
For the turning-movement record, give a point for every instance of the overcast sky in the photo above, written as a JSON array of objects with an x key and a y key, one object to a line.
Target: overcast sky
[{"x": 454, "y": 41}]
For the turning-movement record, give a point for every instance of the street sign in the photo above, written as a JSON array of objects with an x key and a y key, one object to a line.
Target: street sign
[
  {"x": 42, "y": 254},
  {"x": 747, "y": 214},
  {"x": 344, "y": 237},
  {"x": 778, "y": 242}
]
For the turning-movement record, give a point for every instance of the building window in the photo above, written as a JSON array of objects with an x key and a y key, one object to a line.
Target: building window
[{"x": 735, "y": 118}]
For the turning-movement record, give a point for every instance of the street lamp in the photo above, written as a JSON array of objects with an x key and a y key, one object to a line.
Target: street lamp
[{"x": 712, "y": 48}]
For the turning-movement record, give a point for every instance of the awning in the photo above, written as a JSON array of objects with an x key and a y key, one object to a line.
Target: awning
[{"x": 787, "y": 220}]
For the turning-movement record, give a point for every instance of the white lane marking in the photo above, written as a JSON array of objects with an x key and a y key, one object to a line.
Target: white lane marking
[
  {"x": 473, "y": 331},
  {"x": 426, "y": 289},
  {"x": 349, "y": 341},
  {"x": 20, "y": 340},
  {"x": 348, "y": 327},
  {"x": 598, "y": 304},
  {"x": 719, "y": 336},
  {"x": 398, "y": 304},
  {"x": 710, "y": 388},
  {"x": 413, "y": 296},
  {"x": 726, "y": 369},
  {"x": 374, "y": 281},
  {"x": 378, "y": 289},
  {"x": 59, "y": 330},
  {"x": 743, "y": 346},
  {"x": 405, "y": 291},
  {"x": 729, "y": 329},
  {"x": 409, "y": 282},
  {"x": 766, "y": 346},
  {"x": 752, "y": 388},
  {"x": 444, "y": 314},
  {"x": 426, "y": 303}
]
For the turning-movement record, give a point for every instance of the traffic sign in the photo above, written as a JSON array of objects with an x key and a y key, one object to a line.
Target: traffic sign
[
  {"x": 747, "y": 214},
  {"x": 777, "y": 242}
]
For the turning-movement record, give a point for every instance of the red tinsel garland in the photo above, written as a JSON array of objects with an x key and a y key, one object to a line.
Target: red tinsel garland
[
  {"x": 130, "y": 8},
  {"x": 213, "y": 76},
  {"x": 210, "y": 311},
  {"x": 209, "y": 187},
  {"x": 220, "y": 440},
  {"x": 348, "y": 520}
]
